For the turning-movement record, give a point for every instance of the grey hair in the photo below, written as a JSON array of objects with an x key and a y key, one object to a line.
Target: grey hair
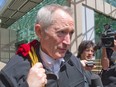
[{"x": 44, "y": 15}]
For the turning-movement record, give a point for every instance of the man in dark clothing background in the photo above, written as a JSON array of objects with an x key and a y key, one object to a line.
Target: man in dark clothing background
[{"x": 108, "y": 73}]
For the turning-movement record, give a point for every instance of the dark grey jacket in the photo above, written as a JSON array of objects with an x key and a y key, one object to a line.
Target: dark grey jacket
[{"x": 14, "y": 74}]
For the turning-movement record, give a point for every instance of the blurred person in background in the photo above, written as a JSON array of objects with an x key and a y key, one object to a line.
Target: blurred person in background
[
  {"x": 108, "y": 62},
  {"x": 85, "y": 54}
]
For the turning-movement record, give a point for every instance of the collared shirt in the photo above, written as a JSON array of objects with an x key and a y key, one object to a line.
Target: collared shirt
[
  {"x": 50, "y": 63},
  {"x": 54, "y": 65}
]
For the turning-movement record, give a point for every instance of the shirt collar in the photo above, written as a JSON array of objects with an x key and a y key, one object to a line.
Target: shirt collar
[{"x": 48, "y": 62}]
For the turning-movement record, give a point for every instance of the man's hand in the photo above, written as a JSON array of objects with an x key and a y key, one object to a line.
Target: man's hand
[
  {"x": 37, "y": 76},
  {"x": 105, "y": 63},
  {"x": 84, "y": 62},
  {"x": 104, "y": 60}
]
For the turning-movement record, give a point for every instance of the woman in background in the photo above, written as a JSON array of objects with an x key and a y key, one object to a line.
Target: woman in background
[{"x": 86, "y": 54}]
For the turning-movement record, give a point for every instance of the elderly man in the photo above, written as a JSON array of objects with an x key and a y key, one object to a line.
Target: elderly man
[{"x": 47, "y": 62}]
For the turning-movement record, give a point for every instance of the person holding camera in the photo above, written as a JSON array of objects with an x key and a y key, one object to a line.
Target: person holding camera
[
  {"x": 108, "y": 62},
  {"x": 86, "y": 54}
]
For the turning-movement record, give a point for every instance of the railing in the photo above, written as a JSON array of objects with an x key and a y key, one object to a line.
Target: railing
[{"x": 98, "y": 67}]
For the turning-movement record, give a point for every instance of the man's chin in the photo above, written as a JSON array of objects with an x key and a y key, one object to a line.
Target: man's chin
[{"x": 60, "y": 56}]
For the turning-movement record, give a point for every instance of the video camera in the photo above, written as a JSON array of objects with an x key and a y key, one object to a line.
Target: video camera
[
  {"x": 90, "y": 63},
  {"x": 108, "y": 36}
]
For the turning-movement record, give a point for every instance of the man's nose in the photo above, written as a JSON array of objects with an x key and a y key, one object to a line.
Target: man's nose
[
  {"x": 91, "y": 52},
  {"x": 67, "y": 39}
]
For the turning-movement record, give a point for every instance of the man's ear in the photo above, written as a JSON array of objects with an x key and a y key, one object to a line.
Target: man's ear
[{"x": 38, "y": 30}]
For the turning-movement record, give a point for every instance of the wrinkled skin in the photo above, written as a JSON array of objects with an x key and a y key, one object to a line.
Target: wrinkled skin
[{"x": 56, "y": 39}]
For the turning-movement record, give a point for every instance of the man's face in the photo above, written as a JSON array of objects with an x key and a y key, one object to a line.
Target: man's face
[
  {"x": 55, "y": 41},
  {"x": 87, "y": 54}
]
